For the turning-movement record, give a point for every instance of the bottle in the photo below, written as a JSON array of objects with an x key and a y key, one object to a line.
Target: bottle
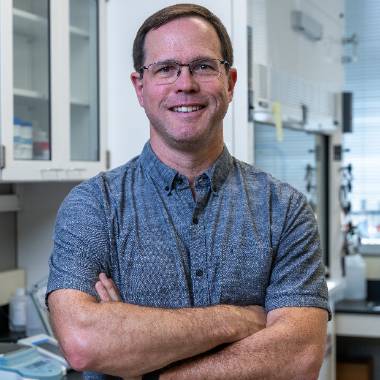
[
  {"x": 17, "y": 311},
  {"x": 41, "y": 150},
  {"x": 26, "y": 134},
  {"x": 356, "y": 277},
  {"x": 16, "y": 137}
]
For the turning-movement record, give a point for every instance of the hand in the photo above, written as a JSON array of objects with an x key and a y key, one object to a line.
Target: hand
[
  {"x": 106, "y": 289},
  {"x": 250, "y": 319},
  {"x": 259, "y": 316}
]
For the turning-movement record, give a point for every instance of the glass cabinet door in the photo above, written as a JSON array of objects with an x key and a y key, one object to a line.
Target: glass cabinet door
[
  {"x": 84, "y": 116},
  {"x": 31, "y": 80},
  {"x": 300, "y": 159}
]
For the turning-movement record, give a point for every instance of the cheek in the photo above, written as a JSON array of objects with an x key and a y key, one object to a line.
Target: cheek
[{"x": 154, "y": 98}]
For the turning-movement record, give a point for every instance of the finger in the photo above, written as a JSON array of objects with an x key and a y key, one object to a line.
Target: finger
[
  {"x": 110, "y": 287},
  {"x": 102, "y": 292}
]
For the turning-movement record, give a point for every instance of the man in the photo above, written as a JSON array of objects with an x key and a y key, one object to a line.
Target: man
[{"x": 186, "y": 263}]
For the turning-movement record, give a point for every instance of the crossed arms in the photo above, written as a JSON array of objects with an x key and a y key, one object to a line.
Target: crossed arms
[{"x": 128, "y": 340}]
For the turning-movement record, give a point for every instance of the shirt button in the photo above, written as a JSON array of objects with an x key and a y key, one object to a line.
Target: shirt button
[
  {"x": 195, "y": 220},
  {"x": 166, "y": 188},
  {"x": 199, "y": 272}
]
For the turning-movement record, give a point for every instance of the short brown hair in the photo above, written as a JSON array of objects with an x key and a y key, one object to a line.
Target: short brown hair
[{"x": 173, "y": 12}]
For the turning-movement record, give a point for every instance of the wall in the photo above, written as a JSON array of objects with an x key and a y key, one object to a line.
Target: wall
[
  {"x": 7, "y": 235},
  {"x": 35, "y": 223},
  {"x": 293, "y": 69}
]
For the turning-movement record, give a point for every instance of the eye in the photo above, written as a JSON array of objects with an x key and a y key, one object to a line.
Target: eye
[
  {"x": 164, "y": 69},
  {"x": 205, "y": 66}
]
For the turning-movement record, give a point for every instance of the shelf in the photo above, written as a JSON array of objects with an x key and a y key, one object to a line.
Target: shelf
[
  {"x": 79, "y": 102},
  {"x": 29, "y": 24},
  {"x": 74, "y": 31},
  {"x": 21, "y": 92}
]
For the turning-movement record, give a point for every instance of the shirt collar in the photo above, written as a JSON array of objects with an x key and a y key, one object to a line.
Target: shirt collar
[
  {"x": 165, "y": 176},
  {"x": 218, "y": 172},
  {"x": 160, "y": 173}
]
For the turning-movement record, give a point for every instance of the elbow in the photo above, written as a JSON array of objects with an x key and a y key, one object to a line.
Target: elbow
[{"x": 77, "y": 349}]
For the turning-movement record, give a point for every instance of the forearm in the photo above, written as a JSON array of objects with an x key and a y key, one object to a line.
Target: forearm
[
  {"x": 281, "y": 351},
  {"x": 129, "y": 340}
]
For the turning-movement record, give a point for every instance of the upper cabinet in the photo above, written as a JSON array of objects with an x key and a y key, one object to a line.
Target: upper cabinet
[{"x": 52, "y": 103}]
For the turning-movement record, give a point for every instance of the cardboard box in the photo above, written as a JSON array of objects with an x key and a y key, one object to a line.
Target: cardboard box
[
  {"x": 9, "y": 281},
  {"x": 355, "y": 370}
]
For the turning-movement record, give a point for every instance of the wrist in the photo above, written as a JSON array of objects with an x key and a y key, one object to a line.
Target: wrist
[{"x": 228, "y": 319}]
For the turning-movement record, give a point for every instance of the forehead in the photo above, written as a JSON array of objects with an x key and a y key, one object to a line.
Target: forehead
[{"x": 182, "y": 39}]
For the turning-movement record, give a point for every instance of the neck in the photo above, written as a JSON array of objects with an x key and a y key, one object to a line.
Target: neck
[{"x": 188, "y": 163}]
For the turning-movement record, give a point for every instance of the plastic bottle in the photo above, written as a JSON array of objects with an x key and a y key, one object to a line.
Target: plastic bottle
[
  {"x": 16, "y": 137},
  {"x": 17, "y": 311},
  {"x": 356, "y": 277},
  {"x": 26, "y": 132},
  {"x": 41, "y": 145}
]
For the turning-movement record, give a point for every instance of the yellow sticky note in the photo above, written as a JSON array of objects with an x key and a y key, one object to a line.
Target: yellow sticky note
[{"x": 277, "y": 115}]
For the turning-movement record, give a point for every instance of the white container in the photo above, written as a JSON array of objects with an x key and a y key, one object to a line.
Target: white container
[
  {"x": 33, "y": 320},
  {"x": 16, "y": 138},
  {"x": 26, "y": 137},
  {"x": 41, "y": 148},
  {"x": 356, "y": 277},
  {"x": 17, "y": 311}
]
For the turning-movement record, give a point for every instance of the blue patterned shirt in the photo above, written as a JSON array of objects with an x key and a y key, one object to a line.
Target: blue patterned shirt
[{"x": 247, "y": 238}]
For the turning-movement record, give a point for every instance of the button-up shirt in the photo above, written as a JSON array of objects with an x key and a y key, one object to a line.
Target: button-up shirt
[{"x": 244, "y": 239}]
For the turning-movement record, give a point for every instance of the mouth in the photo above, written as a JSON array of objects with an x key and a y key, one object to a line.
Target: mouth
[{"x": 187, "y": 109}]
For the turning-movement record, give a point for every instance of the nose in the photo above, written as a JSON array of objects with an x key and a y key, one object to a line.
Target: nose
[{"x": 186, "y": 81}]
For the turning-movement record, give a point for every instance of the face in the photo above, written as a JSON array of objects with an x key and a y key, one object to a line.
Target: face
[{"x": 185, "y": 40}]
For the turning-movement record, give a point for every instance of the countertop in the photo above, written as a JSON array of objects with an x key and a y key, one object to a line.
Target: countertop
[{"x": 357, "y": 307}]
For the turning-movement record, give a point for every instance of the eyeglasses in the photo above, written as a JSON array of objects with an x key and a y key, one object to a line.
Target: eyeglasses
[{"x": 167, "y": 72}]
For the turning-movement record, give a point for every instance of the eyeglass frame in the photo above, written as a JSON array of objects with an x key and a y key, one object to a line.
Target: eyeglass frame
[{"x": 224, "y": 62}]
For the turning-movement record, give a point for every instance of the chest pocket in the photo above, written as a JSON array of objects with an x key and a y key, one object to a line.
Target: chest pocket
[
  {"x": 245, "y": 275},
  {"x": 152, "y": 274}
]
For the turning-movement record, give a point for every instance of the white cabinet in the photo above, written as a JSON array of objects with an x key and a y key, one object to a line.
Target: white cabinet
[{"x": 52, "y": 97}]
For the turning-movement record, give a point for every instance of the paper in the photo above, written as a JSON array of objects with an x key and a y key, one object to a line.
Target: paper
[{"x": 277, "y": 115}]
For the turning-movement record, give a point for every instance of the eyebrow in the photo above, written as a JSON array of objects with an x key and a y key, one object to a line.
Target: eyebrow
[{"x": 196, "y": 58}]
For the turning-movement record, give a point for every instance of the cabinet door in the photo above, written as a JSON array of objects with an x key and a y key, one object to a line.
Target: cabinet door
[
  {"x": 86, "y": 107},
  {"x": 84, "y": 87},
  {"x": 31, "y": 80},
  {"x": 51, "y": 115},
  {"x": 25, "y": 89}
]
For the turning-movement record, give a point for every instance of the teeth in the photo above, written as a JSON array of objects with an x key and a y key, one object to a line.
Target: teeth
[{"x": 187, "y": 109}]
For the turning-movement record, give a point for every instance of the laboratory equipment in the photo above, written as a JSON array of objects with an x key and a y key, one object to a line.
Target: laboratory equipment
[
  {"x": 19, "y": 362},
  {"x": 46, "y": 345}
]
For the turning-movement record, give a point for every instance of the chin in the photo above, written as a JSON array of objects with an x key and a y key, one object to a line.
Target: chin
[
  {"x": 185, "y": 136},
  {"x": 189, "y": 143}
]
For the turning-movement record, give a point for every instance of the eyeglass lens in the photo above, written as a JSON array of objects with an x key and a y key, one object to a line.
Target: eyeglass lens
[{"x": 168, "y": 71}]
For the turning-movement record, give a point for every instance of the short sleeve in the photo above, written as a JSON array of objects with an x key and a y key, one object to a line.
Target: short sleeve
[
  {"x": 81, "y": 242},
  {"x": 297, "y": 277}
]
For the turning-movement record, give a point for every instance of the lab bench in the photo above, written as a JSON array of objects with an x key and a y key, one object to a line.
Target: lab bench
[
  {"x": 357, "y": 328},
  {"x": 358, "y": 318}
]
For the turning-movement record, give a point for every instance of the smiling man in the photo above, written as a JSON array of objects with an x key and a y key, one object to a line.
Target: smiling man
[{"x": 186, "y": 263}]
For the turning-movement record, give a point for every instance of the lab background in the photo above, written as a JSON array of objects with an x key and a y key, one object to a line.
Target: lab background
[{"x": 306, "y": 109}]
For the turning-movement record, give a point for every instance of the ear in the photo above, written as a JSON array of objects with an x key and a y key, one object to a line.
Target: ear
[
  {"x": 232, "y": 78},
  {"x": 138, "y": 85}
]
